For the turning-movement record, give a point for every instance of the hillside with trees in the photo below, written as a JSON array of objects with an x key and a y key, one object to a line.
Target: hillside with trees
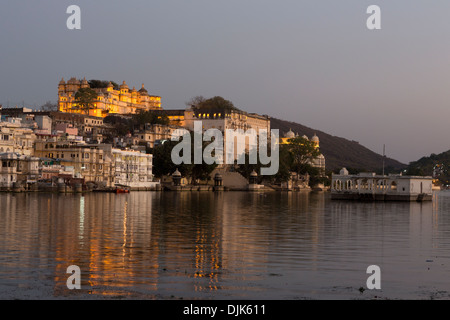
[
  {"x": 340, "y": 152},
  {"x": 436, "y": 165}
]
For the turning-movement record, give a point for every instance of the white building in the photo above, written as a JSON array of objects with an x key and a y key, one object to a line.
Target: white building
[
  {"x": 17, "y": 169},
  {"x": 130, "y": 168},
  {"x": 15, "y": 137},
  {"x": 380, "y": 187}
]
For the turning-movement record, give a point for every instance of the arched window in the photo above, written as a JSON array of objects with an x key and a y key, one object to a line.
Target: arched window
[{"x": 394, "y": 186}]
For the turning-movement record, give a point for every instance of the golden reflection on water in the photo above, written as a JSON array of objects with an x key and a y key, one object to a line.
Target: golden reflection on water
[{"x": 143, "y": 243}]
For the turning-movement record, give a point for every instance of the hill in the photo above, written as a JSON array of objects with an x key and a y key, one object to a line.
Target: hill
[
  {"x": 340, "y": 152},
  {"x": 434, "y": 165}
]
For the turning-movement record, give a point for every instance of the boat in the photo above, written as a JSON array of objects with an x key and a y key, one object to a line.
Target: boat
[{"x": 122, "y": 189}]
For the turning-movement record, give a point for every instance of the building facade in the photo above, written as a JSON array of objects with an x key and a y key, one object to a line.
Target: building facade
[
  {"x": 14, "y": 137},
  {"x": 100, "y": 164},
  {"x": 129, "y": 168},
  {"x": 109, "y": 100},
  {"x": 370, "y": 186},
  {"x": 87, "y": 161},
  {"x": 18, "y": 169}
]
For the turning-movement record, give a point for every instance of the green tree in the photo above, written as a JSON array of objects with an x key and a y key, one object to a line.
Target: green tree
[
  {"x": 84, "y": 100},
  {"x": 212, "y": 105},
  {"x": 303, "y": 153},
  {"x": 93, "y": 83},
  {"x": 246, "y": 168},
  {"x": 163, "y": 164},
  {"x": 143, "y": 117},
  {"x": 286, "y": 160},
  {"x": 195, "y": 101}
]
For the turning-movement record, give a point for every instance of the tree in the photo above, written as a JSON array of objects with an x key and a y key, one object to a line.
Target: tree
[
  {"x": 49, "y": 106},
  {"x": 286, "y": 159},
  {"x": 303, "y": 152},
  {"x": 84, "y": 100},
  {"x": 122, "y": 125},
  {"x": 195, "y": 101},
  {"x": 163, "y": 164},
  {"x": 162, "y": 161},
  {"x": 102, "y": 84},
  {"x": 211, "y": 105},
  {"x": 150, "y": 117}
]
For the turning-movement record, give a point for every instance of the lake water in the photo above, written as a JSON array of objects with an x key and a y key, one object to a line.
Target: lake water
[{"x": 228, "y": 245}]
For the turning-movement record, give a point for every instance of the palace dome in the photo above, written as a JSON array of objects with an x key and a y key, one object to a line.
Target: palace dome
[
  {"x": 124, "y": 85},
  {"x": 315, "y": 138},
  {"x": 143, "y": 90},
  {"x": 290, "y": 134},
  {"x": 73, "y": 81}
]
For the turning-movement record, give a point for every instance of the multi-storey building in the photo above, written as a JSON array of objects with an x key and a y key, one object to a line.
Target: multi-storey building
[
  {"x": 222, "y": 120},
  {"x": 18, "y": 169},
  {"x": 100, "y": 163},
  {"x": 109, "y": 100},
  {"x": 87, "y": 160},
  {"x": 129, "y": 168},
  {"x": 15, "y": 137},
  {"x": 154, "y": 133}
]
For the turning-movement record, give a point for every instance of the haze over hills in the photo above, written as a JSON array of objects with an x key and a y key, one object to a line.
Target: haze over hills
[{"x": 340, "y": 152}]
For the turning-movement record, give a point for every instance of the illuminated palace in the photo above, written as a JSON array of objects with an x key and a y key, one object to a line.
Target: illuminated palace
[{"x": 110, "y": 100}]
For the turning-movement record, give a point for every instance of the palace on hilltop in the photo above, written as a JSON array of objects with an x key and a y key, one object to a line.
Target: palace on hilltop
[{"x": 109, "y": 100}]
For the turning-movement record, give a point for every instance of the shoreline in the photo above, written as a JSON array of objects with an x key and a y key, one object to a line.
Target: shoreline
[{"x": 158, "y": 188}]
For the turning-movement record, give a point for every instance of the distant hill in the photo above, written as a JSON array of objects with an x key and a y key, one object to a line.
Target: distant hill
[
  {"x": 436, "y": 165},
  {"x": 340, "y": 152}
]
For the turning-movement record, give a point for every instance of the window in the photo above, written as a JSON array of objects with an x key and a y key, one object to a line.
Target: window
[{"x": 393, "y": 185}]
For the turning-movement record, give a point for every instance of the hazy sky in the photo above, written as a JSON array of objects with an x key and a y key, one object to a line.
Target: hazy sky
[{"x": 313, "y": 62}]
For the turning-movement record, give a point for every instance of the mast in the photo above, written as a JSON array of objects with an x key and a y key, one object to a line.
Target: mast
[{"x": 384, "y": 155}]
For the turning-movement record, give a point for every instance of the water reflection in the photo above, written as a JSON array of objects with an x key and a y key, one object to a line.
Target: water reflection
[{"x": 219, "y": 245}]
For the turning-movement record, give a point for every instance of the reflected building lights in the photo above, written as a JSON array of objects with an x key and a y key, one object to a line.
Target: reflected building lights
[{"x": 81, "y": 230}]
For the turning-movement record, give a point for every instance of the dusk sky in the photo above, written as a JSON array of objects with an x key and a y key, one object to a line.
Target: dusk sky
[{"x": 312, "y": 62}]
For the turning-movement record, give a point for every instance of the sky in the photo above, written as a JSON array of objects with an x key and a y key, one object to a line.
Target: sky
[{"x": 312, "y": 62}]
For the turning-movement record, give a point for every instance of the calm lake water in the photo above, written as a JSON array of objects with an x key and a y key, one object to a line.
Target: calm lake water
[{"x": 230, "y": 245}]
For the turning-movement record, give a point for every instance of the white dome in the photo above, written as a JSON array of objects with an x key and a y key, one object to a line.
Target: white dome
[
  {"x": 315, "y": 138},
  {"x": 290, "y": 134}
]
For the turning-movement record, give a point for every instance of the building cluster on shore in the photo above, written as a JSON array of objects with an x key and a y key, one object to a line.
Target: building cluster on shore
[{"x": 41, "y": 150}]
